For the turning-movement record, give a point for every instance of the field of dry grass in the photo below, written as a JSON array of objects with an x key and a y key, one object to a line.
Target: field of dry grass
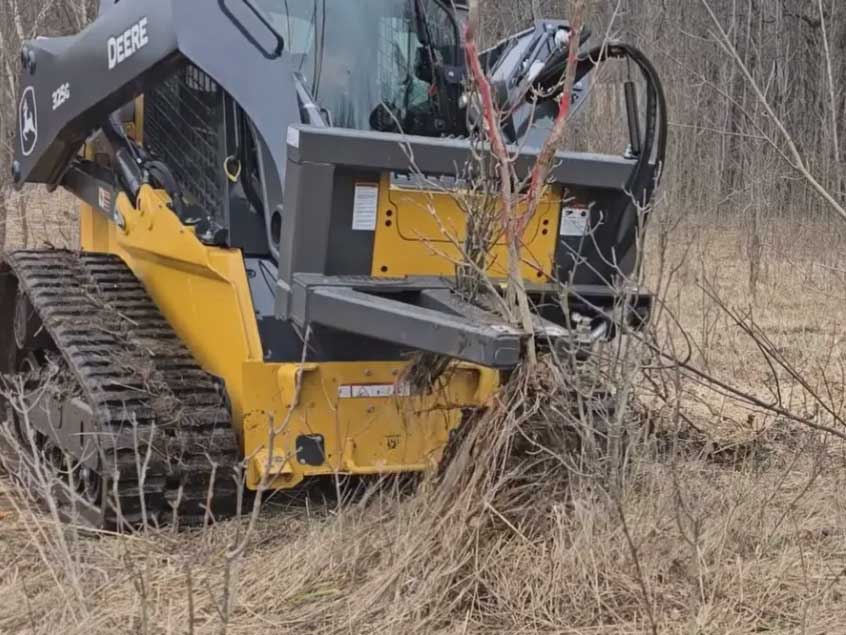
[{"x": 728, "y": 518}]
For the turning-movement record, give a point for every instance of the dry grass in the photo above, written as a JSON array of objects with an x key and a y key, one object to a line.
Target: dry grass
[
  {"x": 797, "y": 302},
  {"x": 685, "y": 539}
]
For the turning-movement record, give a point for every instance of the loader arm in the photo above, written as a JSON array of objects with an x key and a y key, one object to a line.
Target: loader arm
[{"x": 71, "y": 85}]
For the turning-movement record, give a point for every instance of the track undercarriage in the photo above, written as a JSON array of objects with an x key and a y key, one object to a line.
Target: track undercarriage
[{"x": 109, "y": 399}]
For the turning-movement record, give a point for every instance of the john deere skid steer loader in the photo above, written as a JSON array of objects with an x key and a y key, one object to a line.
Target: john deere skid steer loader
[{"x": 262, "y": 242}]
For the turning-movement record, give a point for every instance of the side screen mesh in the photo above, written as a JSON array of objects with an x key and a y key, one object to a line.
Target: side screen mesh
[{"x": 183, "y": 127}]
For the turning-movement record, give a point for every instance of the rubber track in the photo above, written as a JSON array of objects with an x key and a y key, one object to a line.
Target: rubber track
[{"x": 142, "y": 383}]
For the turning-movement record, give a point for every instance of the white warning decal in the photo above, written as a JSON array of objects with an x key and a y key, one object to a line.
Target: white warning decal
[
  {"x": 574, "y": 221},
  {"x": 104, "y": 199},
  {"x": 365, "y": 207},
  {"x": 372, "y": 391}
]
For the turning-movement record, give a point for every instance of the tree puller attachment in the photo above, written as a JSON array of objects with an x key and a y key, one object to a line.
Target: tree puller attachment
[{"x": 268, "y": 234}]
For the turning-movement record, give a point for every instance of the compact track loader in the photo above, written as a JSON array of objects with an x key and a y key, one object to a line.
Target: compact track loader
[{"x": 265, "y": 187}]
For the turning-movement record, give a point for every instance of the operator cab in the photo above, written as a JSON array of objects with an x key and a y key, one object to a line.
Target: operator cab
[{"x": 410, "y": 81}]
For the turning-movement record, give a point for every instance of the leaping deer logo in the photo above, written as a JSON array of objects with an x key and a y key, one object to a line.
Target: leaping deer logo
[{"x": 28, "y": 121}]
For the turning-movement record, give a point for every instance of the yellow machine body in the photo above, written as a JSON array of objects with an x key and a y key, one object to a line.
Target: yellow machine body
[
  {"x": 367, "y": 424},
  {"x": 419, "y": 232}
]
